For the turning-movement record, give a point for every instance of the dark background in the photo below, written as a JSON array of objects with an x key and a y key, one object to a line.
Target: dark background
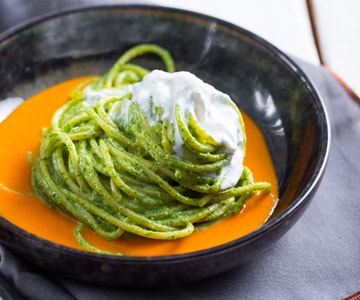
[{"x": 13, "y": 12}]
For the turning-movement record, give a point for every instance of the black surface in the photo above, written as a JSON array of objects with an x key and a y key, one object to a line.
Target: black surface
[{"x": 13, "y": 12}]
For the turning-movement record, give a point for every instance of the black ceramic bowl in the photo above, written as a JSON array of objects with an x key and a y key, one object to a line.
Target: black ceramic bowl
[{"x": 264, "y": 82}]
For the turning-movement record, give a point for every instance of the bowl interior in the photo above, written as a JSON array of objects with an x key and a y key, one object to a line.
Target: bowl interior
[{"x": 260, "y": 79}]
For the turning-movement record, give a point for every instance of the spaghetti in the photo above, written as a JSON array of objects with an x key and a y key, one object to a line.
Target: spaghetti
[{"x": 121, "y": 177}]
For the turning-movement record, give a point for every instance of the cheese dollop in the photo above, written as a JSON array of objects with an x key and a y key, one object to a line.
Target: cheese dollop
[{"x": 214, "y": 111}]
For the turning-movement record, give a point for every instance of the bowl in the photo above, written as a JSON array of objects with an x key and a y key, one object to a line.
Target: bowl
[{"x": 263, "y": 81}]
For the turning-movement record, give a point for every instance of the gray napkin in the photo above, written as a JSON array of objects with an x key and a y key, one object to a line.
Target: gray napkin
[{"x": 317, "y": 259}]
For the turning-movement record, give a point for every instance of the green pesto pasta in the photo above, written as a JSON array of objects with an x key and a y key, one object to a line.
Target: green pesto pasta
[{"x": 119, "y": 177}]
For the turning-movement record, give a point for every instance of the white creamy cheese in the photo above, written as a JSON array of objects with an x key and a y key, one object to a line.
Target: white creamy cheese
[
  {"x": 213, "y": 110},
  {"x": 93, "y": 96}
]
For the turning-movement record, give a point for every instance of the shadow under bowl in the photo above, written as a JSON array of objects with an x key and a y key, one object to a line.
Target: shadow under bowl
[{"x": 264, "y": 83}]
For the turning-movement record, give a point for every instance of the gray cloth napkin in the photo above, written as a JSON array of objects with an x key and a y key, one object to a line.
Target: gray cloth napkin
[{"x": 317, "y": 259}]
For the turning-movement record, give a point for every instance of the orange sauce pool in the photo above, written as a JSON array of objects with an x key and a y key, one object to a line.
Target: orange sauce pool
[{"x": 21, "y": 133}]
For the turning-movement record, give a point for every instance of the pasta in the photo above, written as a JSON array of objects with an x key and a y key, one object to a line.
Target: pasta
[{"x": 122, "y": 178}]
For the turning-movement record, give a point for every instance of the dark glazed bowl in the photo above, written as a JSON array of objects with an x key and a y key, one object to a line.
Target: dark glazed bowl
[{"x": 264, "y": 82}]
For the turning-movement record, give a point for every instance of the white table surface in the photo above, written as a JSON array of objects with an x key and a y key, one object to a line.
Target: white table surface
[{"x": 338, "y": 26}]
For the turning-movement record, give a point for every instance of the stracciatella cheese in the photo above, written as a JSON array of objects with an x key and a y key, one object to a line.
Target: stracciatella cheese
[{"x": 214, "y": 111}]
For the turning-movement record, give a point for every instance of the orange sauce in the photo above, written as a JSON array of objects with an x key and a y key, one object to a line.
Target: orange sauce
[{"x": 21, "y": 133}]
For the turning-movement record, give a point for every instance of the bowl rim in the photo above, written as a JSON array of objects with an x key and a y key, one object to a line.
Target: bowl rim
[{"x": 269, "y": 225}]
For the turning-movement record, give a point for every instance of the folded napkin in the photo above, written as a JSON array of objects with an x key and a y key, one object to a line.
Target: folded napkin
[{"x": 318, "y": 258}]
